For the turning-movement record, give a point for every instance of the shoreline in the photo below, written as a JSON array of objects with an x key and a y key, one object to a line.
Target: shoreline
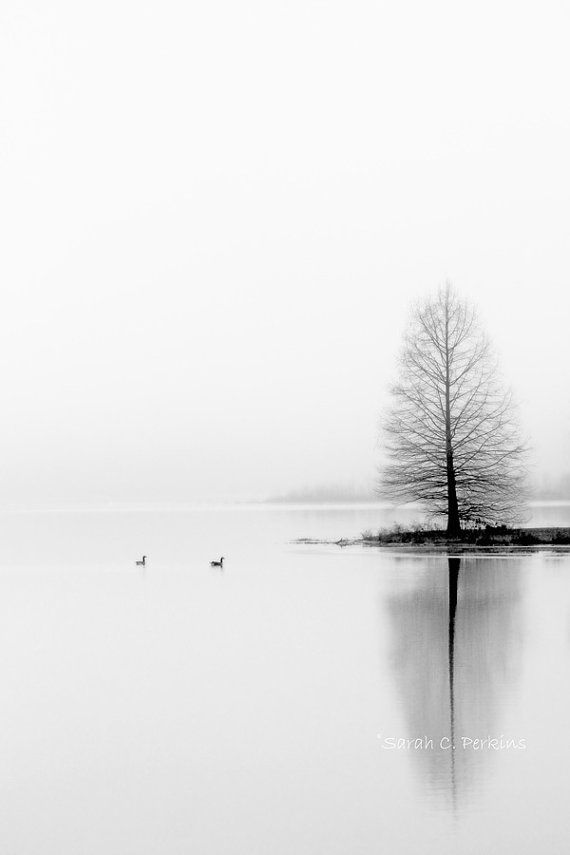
[{"x": 519, "y": 540}]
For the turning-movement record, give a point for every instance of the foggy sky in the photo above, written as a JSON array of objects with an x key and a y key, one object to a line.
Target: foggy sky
[{"x": 214, "y": 217}]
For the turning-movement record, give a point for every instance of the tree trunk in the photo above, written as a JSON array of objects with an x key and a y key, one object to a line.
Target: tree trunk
[{"x": 453, "y": 521}]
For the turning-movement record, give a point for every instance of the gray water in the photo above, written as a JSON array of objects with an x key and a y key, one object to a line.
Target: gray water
[{"x": 177, "y": 708}]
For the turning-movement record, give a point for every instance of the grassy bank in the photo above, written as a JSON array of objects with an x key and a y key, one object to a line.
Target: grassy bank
[{"x": 481, "y": 537}]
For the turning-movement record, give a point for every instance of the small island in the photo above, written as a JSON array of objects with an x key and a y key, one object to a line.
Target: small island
[{"x": 485, "y": 539}]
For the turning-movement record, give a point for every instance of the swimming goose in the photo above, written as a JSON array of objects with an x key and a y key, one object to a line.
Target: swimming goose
[
  {"x": 219, "y": 563},
  {"x": 142, "y": 562}
]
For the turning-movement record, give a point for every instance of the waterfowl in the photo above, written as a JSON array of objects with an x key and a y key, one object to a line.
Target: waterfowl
[
  {"x": 142, "y": 562},
  {"x": 219, "y": 563}
]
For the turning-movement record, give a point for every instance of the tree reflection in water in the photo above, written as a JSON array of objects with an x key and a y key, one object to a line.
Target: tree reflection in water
[{"x": 457, "y": 642}]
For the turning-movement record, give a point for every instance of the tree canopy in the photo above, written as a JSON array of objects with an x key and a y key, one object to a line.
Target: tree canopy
[{"x": 451, "y": 435}]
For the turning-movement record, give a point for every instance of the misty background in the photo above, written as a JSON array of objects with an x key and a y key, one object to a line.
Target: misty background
[{"x": 214, "y": 217}]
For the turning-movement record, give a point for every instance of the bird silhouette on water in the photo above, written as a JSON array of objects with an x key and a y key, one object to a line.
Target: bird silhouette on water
[
  {"x": 219, "y": 563},
  {"x": 142, "y": 562}
]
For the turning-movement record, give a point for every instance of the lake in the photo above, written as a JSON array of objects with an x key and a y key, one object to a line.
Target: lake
[{"x": 264, "y": 708}]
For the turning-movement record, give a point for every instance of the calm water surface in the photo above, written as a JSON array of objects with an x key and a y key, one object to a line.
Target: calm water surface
[{"x": 177, "y": 708}]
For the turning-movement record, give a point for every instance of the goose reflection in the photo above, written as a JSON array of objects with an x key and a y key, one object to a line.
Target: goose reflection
[{"x": 457, "y": 642}]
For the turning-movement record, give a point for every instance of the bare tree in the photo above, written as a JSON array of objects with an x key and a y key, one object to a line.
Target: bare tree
[{"x": 451, "y": 435}]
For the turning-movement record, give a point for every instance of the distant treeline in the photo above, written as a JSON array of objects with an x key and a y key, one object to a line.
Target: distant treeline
[
  {"x": 553, "y": 489},
  {"x": 328, "y": 493},
  {"x": 547, "y": 489}
]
